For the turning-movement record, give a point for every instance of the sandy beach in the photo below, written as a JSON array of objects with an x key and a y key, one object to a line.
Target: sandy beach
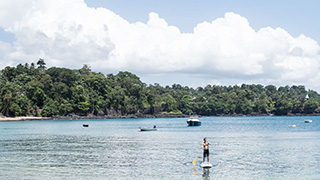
[{"x": 23, "y": 118}]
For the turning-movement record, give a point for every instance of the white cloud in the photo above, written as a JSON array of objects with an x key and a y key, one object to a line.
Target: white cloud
[{"x": 68, "y": 33}]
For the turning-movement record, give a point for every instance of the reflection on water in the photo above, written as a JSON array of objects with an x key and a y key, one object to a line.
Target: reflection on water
[
  {"x": 206, "y": 173},
  {"x": 254, "y": 148},
  {"x": 194, "y": 171}
]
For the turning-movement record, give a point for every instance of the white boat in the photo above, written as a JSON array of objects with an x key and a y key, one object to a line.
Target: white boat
[
  {"x": 193, "y": 121},
  {"x": 308, "y": 121},
  {"x": 147, "y": 129}
]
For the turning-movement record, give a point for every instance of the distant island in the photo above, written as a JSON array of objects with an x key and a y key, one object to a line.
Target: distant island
[{"x": 33, "y": 91}]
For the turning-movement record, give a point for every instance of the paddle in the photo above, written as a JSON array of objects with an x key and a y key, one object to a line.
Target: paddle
[{"x": 195, "y": 160}]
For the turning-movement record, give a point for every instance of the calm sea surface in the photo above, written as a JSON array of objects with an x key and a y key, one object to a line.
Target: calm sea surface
[{"x": 241, "y": 148}]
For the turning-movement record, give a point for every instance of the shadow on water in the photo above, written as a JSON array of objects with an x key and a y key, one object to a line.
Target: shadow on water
[{"x": 206, "y": 173}]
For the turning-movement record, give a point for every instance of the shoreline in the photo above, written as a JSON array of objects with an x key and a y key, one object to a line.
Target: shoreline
[
  {"x": 75, "y": 117},
  {"x": 23, "y": 118}
]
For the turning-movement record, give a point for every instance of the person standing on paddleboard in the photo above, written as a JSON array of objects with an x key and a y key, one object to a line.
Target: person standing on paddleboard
[{"x": 205, "y": 147}]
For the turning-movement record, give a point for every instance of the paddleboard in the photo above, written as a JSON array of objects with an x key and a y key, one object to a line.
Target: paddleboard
[{"x": 206, "y": 165}]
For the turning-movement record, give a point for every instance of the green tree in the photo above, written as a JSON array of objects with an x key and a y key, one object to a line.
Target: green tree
[
  {"x": 310, "y": 105},
  {"x": 65, "y": 108},
  {"x": 36, "y": 93},
  {"x": 41, "y": 64},
  {"x": 169, "y": 103},
  {"x": 50, "y": 108},
  {"x": 84, "y": 107},
  {"x": 8, "y": 94},
  {"x": 186, "y": 104},
  {"x": 283, "y": 106},
  {"x": 63, "y": 75},
  {"x": 24, "y": 105}
]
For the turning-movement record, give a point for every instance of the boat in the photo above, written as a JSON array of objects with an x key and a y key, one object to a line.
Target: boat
[
  {"x": 147, "y": 129},
  {"x": 308, "y": 121},
  {"x": 193, "y": 121},
  {"x": 85, "y": 125}
]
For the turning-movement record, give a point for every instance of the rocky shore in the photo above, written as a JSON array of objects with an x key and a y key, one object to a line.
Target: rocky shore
[
  {"x": 134, "y": 113},
  {"x": 76, "y": 117},
  {"x": 72, "y": 117},
  {"x": 107, "y": 114}
]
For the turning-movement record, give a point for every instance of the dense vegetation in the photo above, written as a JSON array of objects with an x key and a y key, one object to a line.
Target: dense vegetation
[{"x": 35, "y": 90}]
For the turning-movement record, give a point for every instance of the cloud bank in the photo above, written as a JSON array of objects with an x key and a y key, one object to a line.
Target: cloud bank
[{"x": 68, "y": 33}]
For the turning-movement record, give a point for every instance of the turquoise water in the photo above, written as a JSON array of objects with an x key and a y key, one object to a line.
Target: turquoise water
[{"x": 241, "y": 148}]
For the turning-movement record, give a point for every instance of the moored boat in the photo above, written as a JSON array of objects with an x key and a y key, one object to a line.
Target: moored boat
[
  {"x": 194, "y": 121},
  {"x": 308, "y": 121},
  {"x": 147, "y": 129}
]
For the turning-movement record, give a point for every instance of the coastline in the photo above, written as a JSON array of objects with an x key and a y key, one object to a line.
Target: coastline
[
  {"x": 77, "y": 117},
  {"x": 23, "y": 118}
]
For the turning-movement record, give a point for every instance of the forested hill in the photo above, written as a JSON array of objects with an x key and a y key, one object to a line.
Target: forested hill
[{"x": 34, "y": 90}]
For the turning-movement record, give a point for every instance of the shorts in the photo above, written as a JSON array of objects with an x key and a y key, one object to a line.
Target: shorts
[{"x": 206, "y": 153}]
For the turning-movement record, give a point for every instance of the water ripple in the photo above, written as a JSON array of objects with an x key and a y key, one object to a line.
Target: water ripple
[{"x": 114, "y": 149}]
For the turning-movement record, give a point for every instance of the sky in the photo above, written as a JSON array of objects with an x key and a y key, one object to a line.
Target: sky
[{"x": 187, "y": 42}]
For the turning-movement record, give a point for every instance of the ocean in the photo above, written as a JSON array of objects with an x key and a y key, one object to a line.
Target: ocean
[{"x": 241, "y": 148}]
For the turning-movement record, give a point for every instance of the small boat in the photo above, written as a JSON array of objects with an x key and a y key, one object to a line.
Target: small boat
[
  {"x": 292, "y": 125},
  {"x": 85, "y": 125},
  {"x": 194, "y": 121},
  {"x": 147, "y": 129},
  {"x": 308, "y": 121}
]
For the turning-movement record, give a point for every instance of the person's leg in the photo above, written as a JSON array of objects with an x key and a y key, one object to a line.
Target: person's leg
[{"x": 203, "y": 157}]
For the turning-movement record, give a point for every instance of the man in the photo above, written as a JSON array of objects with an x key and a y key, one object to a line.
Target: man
[{"x": 205, "y": 147}]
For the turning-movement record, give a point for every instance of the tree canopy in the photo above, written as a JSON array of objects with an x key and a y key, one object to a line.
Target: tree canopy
[{"x": 35, "y": 90}]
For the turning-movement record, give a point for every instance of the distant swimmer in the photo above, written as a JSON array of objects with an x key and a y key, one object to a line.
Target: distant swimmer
[{"x": 205, "y": 147}]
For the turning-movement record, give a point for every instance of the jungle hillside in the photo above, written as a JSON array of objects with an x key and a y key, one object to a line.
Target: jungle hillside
[{"x": 35, "y": 90}]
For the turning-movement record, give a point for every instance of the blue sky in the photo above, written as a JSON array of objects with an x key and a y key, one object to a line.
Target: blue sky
[
  {"x": 188, "y": 42},
  {"x": 295, "y": 16},
  {"x": 6, "y": 36}
]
